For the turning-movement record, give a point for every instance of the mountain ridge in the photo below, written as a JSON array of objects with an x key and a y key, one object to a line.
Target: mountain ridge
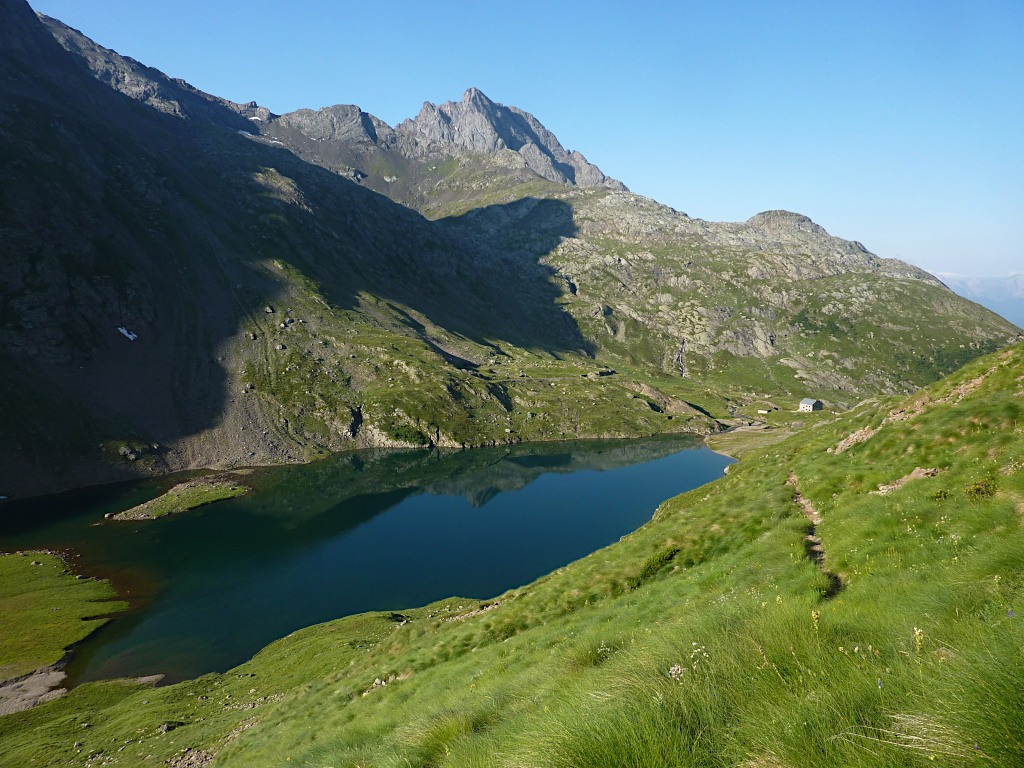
[
  {"x": 475, "y": 124},
  {"x": 455, "y": 302}
]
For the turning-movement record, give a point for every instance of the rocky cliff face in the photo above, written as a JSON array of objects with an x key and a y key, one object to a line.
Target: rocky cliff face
[
  {"x": 345, "y": 123},
  {"x": 477, "y": 124},
  {"x": 150, "y": 86}
]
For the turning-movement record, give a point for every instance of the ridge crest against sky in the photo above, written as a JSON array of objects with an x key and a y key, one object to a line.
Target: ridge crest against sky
[{"x": 898, "y": 126}]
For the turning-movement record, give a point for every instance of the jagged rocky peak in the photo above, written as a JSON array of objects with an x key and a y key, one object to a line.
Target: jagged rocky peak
[
  {"x": 474, "y": 124},
  {"x": 478, "y": 124}
]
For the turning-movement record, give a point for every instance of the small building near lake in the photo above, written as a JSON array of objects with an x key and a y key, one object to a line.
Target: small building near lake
[{"x": 809, "y": 404}]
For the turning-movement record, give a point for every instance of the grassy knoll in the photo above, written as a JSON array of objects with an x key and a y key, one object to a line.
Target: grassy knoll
[
  {"x": 703, "y": 639},
  {"x": 186, "y": 496},
  {"x": 742, "y": 440},
  {"x": 45, "y": 609}
]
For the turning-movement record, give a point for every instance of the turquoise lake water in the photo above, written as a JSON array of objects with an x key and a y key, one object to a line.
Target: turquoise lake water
[{"x": 380, "y": 530}]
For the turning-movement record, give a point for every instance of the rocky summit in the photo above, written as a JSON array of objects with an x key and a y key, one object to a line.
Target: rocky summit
[
  {"x": 477, "y": 124},
  {"x": 194, "y": 282}
]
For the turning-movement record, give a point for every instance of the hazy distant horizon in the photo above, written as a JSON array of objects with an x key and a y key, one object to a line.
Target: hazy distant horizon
[{"x": 1003, "y": 294}]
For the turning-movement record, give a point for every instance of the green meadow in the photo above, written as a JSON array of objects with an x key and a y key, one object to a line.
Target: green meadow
[
  {"x": 187, "y": 496},
  {"x": 44, "y": 609},
  {"x": 709, "y": 637}
]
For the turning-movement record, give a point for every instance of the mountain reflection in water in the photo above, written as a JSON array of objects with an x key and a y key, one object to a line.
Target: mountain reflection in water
[{"x": 370, "y": 530}]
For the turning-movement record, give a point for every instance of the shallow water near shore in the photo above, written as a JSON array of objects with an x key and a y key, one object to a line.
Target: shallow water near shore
[{"x": 369, "y": 530}]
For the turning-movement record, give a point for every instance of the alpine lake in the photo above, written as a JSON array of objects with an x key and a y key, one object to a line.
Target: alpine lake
[{"x": 360, "y": 531}]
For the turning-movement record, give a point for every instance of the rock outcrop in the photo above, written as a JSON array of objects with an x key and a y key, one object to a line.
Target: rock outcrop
[
  {"x": 342, "y": 123},
  {"x": 477, "y": 124}
]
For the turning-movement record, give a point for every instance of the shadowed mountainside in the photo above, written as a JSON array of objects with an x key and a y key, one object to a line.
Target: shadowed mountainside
[
  {"x": 275, "y": 307},
  {"x": 116, "y": 215}
]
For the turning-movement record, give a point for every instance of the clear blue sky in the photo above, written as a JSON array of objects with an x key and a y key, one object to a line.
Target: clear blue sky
[{"x": 899, "y": 124}]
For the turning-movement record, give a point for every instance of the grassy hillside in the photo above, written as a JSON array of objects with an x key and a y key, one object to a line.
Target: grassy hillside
[{"x": 848, "y": 597}]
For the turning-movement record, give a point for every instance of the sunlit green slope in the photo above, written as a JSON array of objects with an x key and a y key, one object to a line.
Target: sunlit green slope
[{"x": 718, "y": 634}]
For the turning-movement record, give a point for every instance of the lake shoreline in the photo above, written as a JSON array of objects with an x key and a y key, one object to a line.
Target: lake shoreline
[
  {"x": 60, "y": 592},
  {"x": 109, "y": 474},
  {"x": 352, "y": 534},
  {"x": 231, "y": 562}
]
